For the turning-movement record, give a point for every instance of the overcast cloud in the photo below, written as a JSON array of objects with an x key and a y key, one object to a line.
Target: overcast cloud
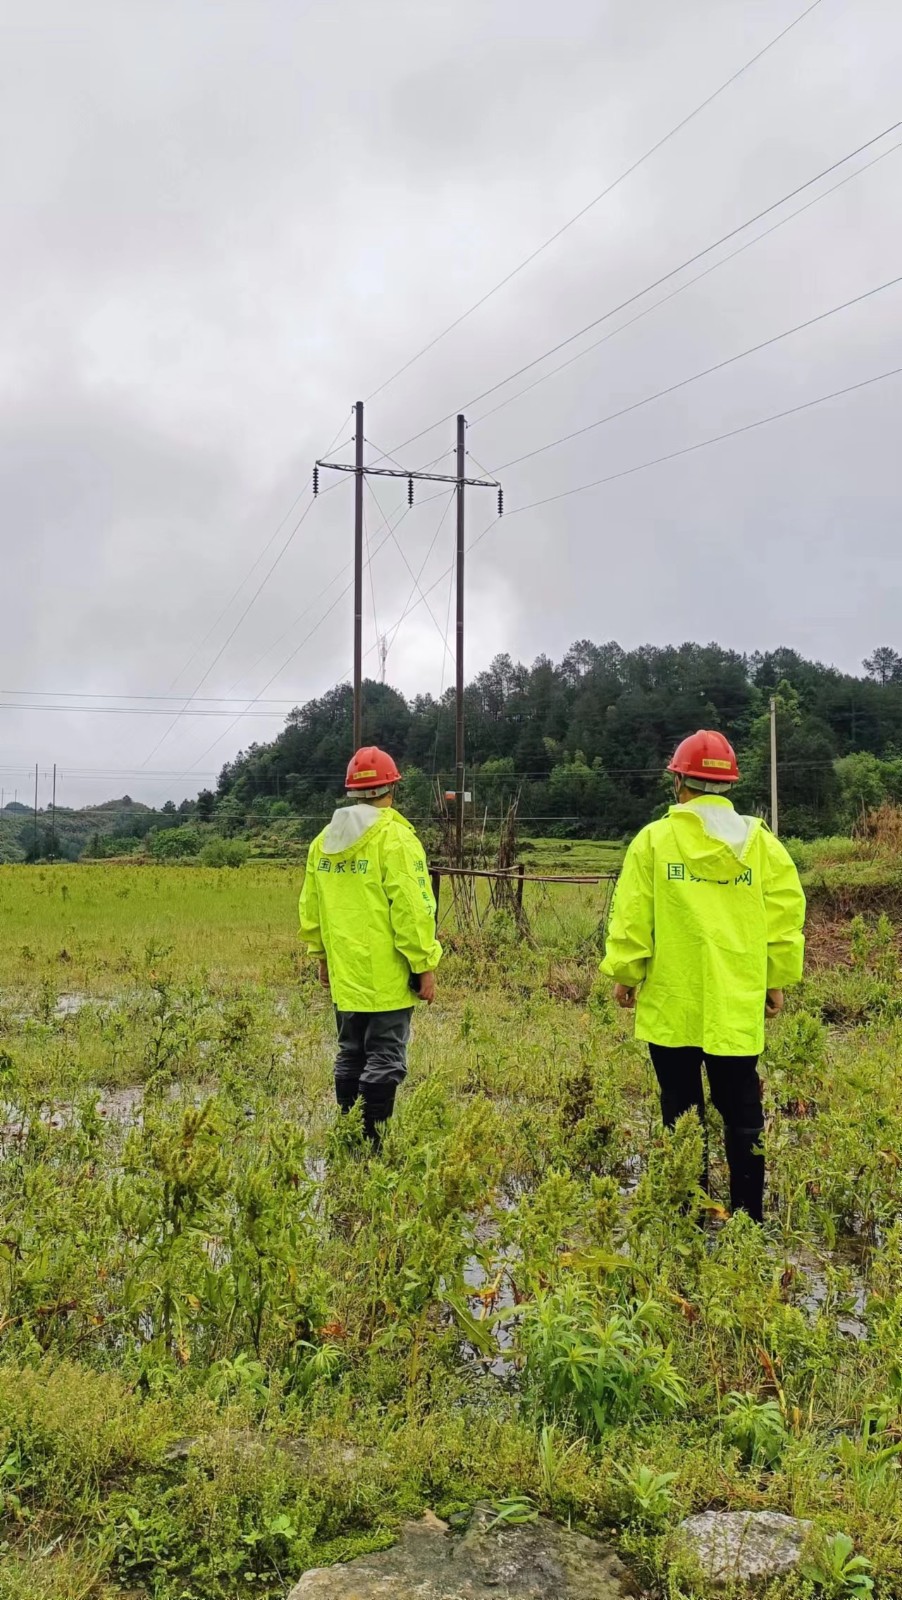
[{"x": 226, "y": 223}]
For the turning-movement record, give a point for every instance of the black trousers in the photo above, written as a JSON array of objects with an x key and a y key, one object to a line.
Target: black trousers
[
  {"x": 371, "y": 1062},
  {"x": 736, "y": 1092}
]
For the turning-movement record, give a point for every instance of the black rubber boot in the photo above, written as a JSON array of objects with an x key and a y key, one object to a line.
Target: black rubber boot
[
  {"x": 347, "y": 1093},
  {"x": 378, "y": 1105},
  {"x": 746, "y": 1166}
]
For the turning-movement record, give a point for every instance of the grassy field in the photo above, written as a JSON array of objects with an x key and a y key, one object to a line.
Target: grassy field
[{"x": 233, "y": 1346}]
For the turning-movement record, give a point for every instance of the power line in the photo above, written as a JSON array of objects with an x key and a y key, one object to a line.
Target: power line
[
  {"x": 253, "y": 567},
  {"x": 681, "y": 288},
  {"x": 369, "y": 564},
  {"x": 643, "y": 466},
  {"x": 308, "y": 636},
  {"x": 416, "y": 582},
  {"x": 665, "y": 277},
  {"x": 87, "y": 694},
  {"x": 706, "y": 372},
  {"x": 128, "y": 711},
  {"x": 305, "y": 613},
  {"x": 552, "y": 239},
  {"x": 702, "y": 444},
  {"x": 393, "y": 535},
  {"x": 227, "y": 641}
]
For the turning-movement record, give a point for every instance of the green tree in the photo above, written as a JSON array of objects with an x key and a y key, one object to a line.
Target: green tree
[
  {"x": 861, "y": 785},
  {"x": 884, "y": 666}
]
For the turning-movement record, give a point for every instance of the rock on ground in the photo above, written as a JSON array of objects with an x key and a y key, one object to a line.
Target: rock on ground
[
  {"x": 744, "y": 1545},
  {"x": 533, "y": 1561}
]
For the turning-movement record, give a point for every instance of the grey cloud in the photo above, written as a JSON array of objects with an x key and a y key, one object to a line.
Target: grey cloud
[{"x": 225, "y": 224}]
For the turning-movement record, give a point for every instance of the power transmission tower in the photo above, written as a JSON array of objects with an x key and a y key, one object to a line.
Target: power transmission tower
[
  {"x": 460, "y": 482},
  {"x": 383, "y": 656}
]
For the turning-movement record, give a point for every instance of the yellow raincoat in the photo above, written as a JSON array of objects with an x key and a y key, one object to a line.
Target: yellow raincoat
[
  {"x": 707, "y": 916},
  {"x": 367, "y": 907}
]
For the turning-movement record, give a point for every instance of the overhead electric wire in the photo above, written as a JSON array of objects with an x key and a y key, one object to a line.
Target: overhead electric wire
[
  {"x": 680, "y": 289},
  {"x": 441, "y": 691},
  {"x": 87, "y": 694},
  {"x": 306, "y": 612},
  {"x": 287, "y": 662},
  {"x": 417, "y": 580},
  {"x": 643, "y": 466},
  {"x": 369, "y": 564},
  {"x": 393, "y": 535},
  {"x": 706, "y": 372},
  {"x": 227, "y": 641},
  {"x": 665, "y": 277},
  {"x": 254, "y": 565},
  {"x": 602, "y": 195},
  {"x": 718, "y": 438},
  {"x": 127, "y": 711}
]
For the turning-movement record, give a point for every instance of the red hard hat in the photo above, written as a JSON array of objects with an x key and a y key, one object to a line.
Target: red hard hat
[
  {"x": 706, "y": 755},
  {"x": 371, "y": 768}
]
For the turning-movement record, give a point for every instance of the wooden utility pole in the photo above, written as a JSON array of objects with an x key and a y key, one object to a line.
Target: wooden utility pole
[
  {"x": 459, "y": 481},
  {"x": 460, "y": 757},
  {"x": 774, "y": 809},
  {"x": 53, "y": 819},
  {"x": 36, "y": 811},
  {"x": 358, "y": 575}
]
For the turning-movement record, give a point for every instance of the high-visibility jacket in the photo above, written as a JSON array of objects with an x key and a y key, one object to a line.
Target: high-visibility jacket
[
  {"x": 367, "y": 907},
  {"x": 706, "y": 917}
]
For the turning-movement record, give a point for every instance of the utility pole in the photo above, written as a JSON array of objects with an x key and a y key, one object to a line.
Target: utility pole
[
  {"x": 459, "y": 702},
  {"x": 459, "y": 481},
  {"x": 774, "y": 811},
  {"x": 53, "y": 819},
  {"x": 36, "y": 811},
  {"x": 358, "y": 575}
]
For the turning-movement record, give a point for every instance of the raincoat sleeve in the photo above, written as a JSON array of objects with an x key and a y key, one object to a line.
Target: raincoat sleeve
[
  {"x": 784, "y": 904},
  {"x": 308, "y": 908},
  {"x": 630, "y": 940},
  {"x": 411, "y": 903}
]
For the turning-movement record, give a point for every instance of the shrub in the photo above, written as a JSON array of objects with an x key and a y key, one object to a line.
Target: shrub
[
  {"x": 219, "y": 852},
  {"x": 174, "y": 844}
]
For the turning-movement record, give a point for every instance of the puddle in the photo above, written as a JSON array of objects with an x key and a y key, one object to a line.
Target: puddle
[
  {"x": 818, "y": 1293},
  {"x": 117, "y": 1106},
  {"x": 630, "y": 1171},
  {"x": 501, "y": 1300},
  {"x": 69, "y": 1005}
]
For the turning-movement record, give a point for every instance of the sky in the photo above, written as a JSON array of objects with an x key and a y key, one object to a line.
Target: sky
[{"x": 224, "y": 224}]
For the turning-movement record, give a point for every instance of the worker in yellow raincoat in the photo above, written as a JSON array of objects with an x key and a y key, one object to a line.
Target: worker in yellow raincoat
[
  {"x": 368, "y": 914},
  {"x": 705, "y": 934}
]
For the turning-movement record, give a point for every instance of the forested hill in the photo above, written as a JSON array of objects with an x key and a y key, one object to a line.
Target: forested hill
[{"x": 584, "y": 740}]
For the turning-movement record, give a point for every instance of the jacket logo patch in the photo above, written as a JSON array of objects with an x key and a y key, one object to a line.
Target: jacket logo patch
[
  {"x": 676, "y": 870},
  {"x": 324, "y": 865}
]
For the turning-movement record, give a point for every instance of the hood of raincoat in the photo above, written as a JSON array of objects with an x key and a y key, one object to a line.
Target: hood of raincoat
[
  {"x": 712, "y": 837},
  {"x": 349, "y": 825}
]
